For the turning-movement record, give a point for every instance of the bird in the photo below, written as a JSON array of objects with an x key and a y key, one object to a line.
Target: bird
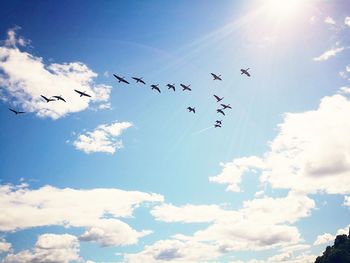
[
  {"x": 155, "y": 87},
  {"x": 81, "y": 93},
  {"x": 218, "y": 122},
  {"x": 59, "y": 98},
  {"x": 218, "y": 99},
  {"x": 139, "y": 80},
  {"x": 245, "y": 71},
  {"x": 121, "y": 79},
  {"x": 184, "y": 87},
  {"x": 171, "y": 86},
  {"x": 228, "y": 106},
  {"x": 16, "y": 112},
  {"x": 216, "y": 77},
  {"x": 191, "y": 109},
  {"x": 220, "y": 111},
  {"x": 217, "y": 126},
  {"x": 47, "y": 99}
]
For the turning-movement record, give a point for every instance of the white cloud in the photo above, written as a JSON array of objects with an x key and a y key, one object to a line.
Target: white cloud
[
  {"x": 324, "y": 239},
  {"x": 245, "y": 228},
  {"x": 347, "y": 200},
  {"x": 347, "y": 21},
  {"x": 111, "y": 232},
  {"x": 188, "y": 213},
  {"x": 102, "y": 139},
  {"x": 4, "y": 246},
  {"x": 25, "y": 77},
  {"x": 232, "y": 172},
  {"x": 172, "y": 250},
  {"x": 329, "y": 20},
  {"x": 329, "y": 53},
  {"x": 311, "y": 152},
  {"x": 49, "y": 248},
  {"x": 68, "y": 207}
]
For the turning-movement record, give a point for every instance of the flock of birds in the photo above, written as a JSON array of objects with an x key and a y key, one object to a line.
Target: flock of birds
[
  {"x": 218, "y": 123},
  {"x": 53, "y": 98}
]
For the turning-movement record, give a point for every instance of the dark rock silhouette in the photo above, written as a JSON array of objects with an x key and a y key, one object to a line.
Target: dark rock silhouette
[{"x": 338, "y": 253}]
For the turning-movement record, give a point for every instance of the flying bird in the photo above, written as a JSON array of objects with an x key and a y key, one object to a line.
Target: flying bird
[
  {"x": 216, "y": 77},
  {"x": 16, "y": 112},
  {"x": 155, "y": 87},
  {"x": 184, "y": 87},
  {"x": 220, "y": 111},
  {"x": 191, "y": 109},
  {"x": 228, "y": 106},
  {"x": 139, "y": 80},
  {"x": 47, "y": 99},
  {"x": 81, "y": 93},
  {"x": 218, "y": 122},
  {"x": 59, "y": 98},
  {"x": 217, "y": 126},
  {"x": 218, "y": 99},
  {"x": 171, "y": 86},
  {"x": 121, "y": 79},
  {"x": 245, "y": 71}
]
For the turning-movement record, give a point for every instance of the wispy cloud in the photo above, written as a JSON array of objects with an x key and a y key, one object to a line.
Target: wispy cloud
[
  {"x": 25, "y": 77},
  {"x": 328, "y": 54},
  {"x": 104, "y": 138}
]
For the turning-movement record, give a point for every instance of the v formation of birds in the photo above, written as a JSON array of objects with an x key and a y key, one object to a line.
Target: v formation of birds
[{"x": 218, "y": 123}]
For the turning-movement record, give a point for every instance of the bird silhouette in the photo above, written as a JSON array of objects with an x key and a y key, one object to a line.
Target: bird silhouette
[
  {"x": 184, "y": 87},
  {"x": 121, "y": 79},
  {"x": 47, "y": 99},
  {"x": 16, "y": 112},
  {"x": 220, "y": 111},
  {"x": 190, "y": 109},
  {"x": 245, "y": 71},
  {"x": 218, "y": 99},
  {"x": 155, "y": 87},
  {"x": 216, "y": 77},
  {"x": 228, "y": 106},
  {"x": 59, "y": 98},
  {"x": 81, "y": 93},
  {"x": 171, "y": 86},
  {"x": 139, "y": 80}
]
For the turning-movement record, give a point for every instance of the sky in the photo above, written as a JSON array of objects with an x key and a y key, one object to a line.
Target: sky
[{"x": 130, "y": 175}]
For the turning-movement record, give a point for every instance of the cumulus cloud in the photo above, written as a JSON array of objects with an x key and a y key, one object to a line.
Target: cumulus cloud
[
  {"x": 74, "y": 208},
  {"x": 328, "y": 54},
  {"x": 49, "y": 248},
  {"x": 329, "y": 20},
  {"x": 311, "y": 152},
  {"x": 258, "y": 225},
  {"x": 347, "y": 21},
  {"x": 188, "y": 213},
  {"x": 4, "y": 246},
  {"x": 172, "y": 250},
  {"x": 347, "y": 200},
  {"x": 24, "y": 77},
  {"x": 329, "y": 238},
  {"x": 323, "y": 239},
  {"x": 232, "y": 172},
  {"x": 102, "y": 139},
  {"x": 111, "y": 232}
]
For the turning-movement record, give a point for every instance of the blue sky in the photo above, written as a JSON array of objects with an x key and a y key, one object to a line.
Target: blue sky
[{"x": 130, "y": 175}]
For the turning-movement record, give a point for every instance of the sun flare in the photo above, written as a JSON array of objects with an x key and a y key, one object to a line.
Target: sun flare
[{"x": 283, "y": 9}]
